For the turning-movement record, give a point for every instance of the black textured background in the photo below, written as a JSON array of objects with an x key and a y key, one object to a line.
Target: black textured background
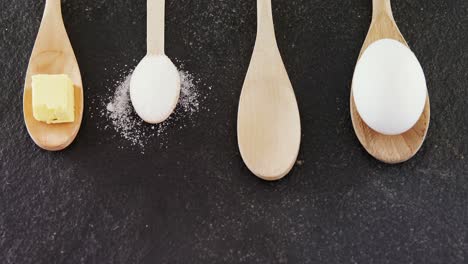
[{"x": 193, "y": 200}]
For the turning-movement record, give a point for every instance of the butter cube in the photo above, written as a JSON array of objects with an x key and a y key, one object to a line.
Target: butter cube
[{"x": 53, "y": 98}]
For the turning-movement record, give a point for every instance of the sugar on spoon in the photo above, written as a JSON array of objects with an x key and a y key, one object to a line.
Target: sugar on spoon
[
  {"x": 155, "y": 83},
  {"x": 399, "y": 116},
  {"x": 52, "y": 54},
  {"x": 268, "y": 126}
]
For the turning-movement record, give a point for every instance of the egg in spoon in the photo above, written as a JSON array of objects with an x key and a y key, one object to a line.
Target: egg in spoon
[{"x": 389, "y": 104}]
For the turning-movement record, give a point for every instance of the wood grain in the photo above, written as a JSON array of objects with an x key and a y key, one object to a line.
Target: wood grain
[
  {"x": 269, "y": 129},
  {"x": 53, "y": 54},
  {"x": 388, "y": 149}
]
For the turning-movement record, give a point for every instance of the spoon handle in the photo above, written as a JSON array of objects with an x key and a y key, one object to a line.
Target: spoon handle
[
  {"x": 381, "y": 7},
  {"x": 53, "y": 3},
  {"x": 53, "y": 7},
  {"x": 265, "y": 25},
  {"x": 155, "y": 27}
]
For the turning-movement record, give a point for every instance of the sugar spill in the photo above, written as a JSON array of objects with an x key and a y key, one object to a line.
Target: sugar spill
[{"x": 123, "y": 120}]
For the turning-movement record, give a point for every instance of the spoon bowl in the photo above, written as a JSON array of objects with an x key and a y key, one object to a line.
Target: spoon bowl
[
  {"x": 52, "y": 54},
  {"x": 155, "y": 88},
  {"x": 390, "y": 149}
]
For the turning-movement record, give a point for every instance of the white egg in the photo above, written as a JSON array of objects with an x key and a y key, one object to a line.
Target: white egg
[{"x": 389, "y": 87}]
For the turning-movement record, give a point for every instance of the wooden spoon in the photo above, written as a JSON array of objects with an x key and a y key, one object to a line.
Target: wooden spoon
[
  {"x": 154, "y": 102},
  {"x": 53, "y": 54},
  {"x": 268, "y": 126},
  {"x": 388, "y": 149}
]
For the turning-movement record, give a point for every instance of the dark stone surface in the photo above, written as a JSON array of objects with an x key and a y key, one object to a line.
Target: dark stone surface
[{"x": 194, "y": 201}]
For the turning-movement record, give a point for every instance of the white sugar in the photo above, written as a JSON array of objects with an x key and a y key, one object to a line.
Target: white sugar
[
  {"x": 188, "y": 93},
  {"x": 155, "y": 88},
  {"x": 123, "y": 119},
  {"x": 121, "y": 115}
]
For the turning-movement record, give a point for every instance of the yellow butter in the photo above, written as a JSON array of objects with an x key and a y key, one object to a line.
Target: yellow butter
[{"x": 53, "y": 98}]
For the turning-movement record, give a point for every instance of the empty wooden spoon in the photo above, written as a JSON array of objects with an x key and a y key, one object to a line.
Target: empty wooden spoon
[
  {"x": 397, "y": 148},
  {"x": 268, "y": 126},
  {"x": 53, "y": 54}
]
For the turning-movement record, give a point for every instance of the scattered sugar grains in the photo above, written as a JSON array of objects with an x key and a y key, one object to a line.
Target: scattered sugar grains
[{"x": 126, "y": 122}]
